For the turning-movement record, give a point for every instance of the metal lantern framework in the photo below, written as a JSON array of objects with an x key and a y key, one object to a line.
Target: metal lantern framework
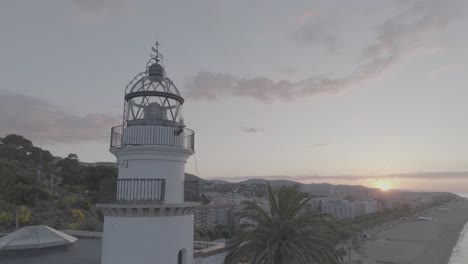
[
  {"x": 152, "y": 97},
  {"x": 152, "y": 110}
]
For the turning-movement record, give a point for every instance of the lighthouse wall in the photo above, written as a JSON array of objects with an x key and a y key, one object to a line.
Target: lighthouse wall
[
  {"x": 147, "y": 239},
  {"x": 156, "y": 162}
]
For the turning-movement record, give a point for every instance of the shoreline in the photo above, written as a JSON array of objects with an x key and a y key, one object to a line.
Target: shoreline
[
  {"x": 455, "y": 243},
  {"x": 419, "y": 242}
]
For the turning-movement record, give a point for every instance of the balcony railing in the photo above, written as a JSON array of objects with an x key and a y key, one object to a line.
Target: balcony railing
[
  {"x": 152, "y": 135},
  {"x": 141, "y": 191},
  {"x": 132, "y": 191},
  {"x": 191, "y": 191}
]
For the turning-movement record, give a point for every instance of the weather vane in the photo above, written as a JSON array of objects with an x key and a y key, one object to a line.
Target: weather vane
[{"x": 158, "y": 56}]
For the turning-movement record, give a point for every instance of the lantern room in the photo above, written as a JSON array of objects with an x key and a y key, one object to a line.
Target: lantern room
[{"x": 152, "y": 98}]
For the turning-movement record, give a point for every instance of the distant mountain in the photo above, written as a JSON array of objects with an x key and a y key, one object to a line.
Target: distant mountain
[
  {"x": 191, "y": 177},
  {"x": 274, "y": 183},
  {"x": 316, "y": 188},
  {"x": 218, "y": 181},
  {"x": 326, "y": 188}
]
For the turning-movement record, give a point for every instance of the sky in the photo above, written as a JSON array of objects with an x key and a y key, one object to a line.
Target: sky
[{"x": 294, "y": 88}]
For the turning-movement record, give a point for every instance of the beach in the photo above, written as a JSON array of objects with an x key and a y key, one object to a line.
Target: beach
[{"x": 418, "y": 241}]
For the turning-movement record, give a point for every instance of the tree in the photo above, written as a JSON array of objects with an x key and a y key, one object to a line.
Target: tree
[
  {"x": 94, "y": 175},
  {"x": 15, "y": 147},
  {"x": 17, "y": 141},
  {"x": 18, "y": 184},
  {"x": 282, "y": 234},
  {"x": 72, "y": 156},
  {"x": 70, "y": 170}
]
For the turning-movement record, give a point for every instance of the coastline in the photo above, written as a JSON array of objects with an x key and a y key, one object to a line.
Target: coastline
[
  {"x": 459, "y": 240},
  {"x": 419, "y": 242},
  {"x": 454, "y": 242}
]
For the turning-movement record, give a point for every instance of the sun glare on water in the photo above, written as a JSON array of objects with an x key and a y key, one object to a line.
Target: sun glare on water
[{"x": 384, "y": 185}]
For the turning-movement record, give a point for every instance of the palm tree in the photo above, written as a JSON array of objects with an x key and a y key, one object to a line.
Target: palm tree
[{"x": 284, "y": 234}]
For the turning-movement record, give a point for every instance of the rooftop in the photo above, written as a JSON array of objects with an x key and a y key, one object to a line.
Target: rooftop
[
  {"x": 34, "y": 237},
  {"x": 88, "y": 251}
]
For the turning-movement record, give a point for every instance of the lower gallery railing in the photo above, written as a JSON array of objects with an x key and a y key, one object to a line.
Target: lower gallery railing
[
  {"x": 141, "y": 191},
  {"x": 132, "y": 191}
]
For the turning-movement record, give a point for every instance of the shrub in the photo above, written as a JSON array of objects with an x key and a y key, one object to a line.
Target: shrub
[
  {"x": 67, "y": 202},
  {"x": 24, "y": 214},
  {"x": 43, "y": 194},
  {"x": 77, "y": 214},
  {"x": 6, "y": 218},
  {"x": 70, "y": 200},
  {"x": 84, "y": 205},
  {"x": 73, "y": 226},
  {"x": 90, "y": 224},
  {"x": 74, "y": 189}
]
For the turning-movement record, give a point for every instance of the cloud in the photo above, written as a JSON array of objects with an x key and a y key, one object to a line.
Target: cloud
[
  {"x": 43, "y": 122},
  {"x": 397, "y": 37},
  {"x": 321, "y": 145},
  {"x": 445, "y": 69},
  {"x": 304, "y": 16},
  {"x": 284, "y": 70},
  {"x": 319, "y": 178},
  {"x": 92, "y": 9},
  {"x": 251, "y": 130},
  {"x": 318, "y": 33}
]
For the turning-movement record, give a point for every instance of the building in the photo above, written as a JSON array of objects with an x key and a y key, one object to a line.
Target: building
[
  {"x": 211, "y": 215},
  {"x": 340, "y": 209},
  {"x": 88, "y": 250},
  {"x": 365, "y": 207},
  {"x": 146, "y": 218},
  {"x": 34, "y": 239}
]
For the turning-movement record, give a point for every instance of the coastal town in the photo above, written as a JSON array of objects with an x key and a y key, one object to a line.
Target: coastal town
[{"x": 233, "y": 132}]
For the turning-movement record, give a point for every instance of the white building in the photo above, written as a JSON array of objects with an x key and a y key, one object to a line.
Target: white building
[
  {"x": 209, "y": 216},
  {"x": 371, "y": 206},
  {"x": 340, "y": 209},
  {"x": 146, "y": 218}
]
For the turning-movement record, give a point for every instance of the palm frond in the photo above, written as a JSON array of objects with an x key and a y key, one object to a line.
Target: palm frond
[{"x": 283, "y": 234}]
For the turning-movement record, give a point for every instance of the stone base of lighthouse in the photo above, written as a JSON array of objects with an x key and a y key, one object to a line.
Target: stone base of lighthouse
[{"x": 148, "y": 239}]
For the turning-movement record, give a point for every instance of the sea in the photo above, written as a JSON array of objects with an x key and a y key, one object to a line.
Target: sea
[{"x": 460, "y": 251}]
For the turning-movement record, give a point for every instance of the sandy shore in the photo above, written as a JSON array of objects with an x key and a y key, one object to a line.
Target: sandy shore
[{"x": 419, "y": 242}]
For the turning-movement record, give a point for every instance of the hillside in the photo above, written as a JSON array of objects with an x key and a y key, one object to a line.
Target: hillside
[
  {"x": 191, "y": 177},
  {"x": 58, "y": 192},
  {"x": 316, "y": 188}
]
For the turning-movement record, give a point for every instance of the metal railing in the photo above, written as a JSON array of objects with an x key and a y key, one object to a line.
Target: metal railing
[
  {"x": 191, "y": 191},
  {"x": 152, "y": 135},
  {"x": 116, "y": 137},
  {"x": 132, "y": 191}
]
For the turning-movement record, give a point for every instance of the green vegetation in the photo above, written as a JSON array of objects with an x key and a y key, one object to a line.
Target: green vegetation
[
  {"x": 43, "y": 189},
  {"x": 283, "y": 234},
  {"x": 218, "y": 232}
]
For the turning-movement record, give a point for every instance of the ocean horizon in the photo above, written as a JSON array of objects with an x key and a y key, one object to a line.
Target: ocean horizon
[{"x": 460, "y": 251}]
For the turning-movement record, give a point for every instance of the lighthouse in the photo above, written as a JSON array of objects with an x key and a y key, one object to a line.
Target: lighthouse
[{"x": 146, "y": 218}]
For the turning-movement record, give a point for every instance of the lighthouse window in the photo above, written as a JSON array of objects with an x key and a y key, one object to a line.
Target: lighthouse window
[{"x": 181, "y": 257}]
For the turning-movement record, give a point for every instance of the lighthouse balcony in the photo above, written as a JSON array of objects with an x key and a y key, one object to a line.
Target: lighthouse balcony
[
  {"x": 143, "y": 197},
  {"x": 152, "y": 134},
  {"x": 132, "y": 191},
  {"x": 141, "y": 191}
]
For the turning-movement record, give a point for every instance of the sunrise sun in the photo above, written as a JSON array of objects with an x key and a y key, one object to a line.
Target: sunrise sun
[{"x": 384, "y": 185}]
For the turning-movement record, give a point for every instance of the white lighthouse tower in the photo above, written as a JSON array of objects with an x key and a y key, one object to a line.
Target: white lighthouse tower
[{"x": 146, "y": 218}]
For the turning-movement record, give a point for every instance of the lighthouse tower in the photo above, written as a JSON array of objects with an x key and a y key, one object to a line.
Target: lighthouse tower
[{"x": 146, "y": 218}]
